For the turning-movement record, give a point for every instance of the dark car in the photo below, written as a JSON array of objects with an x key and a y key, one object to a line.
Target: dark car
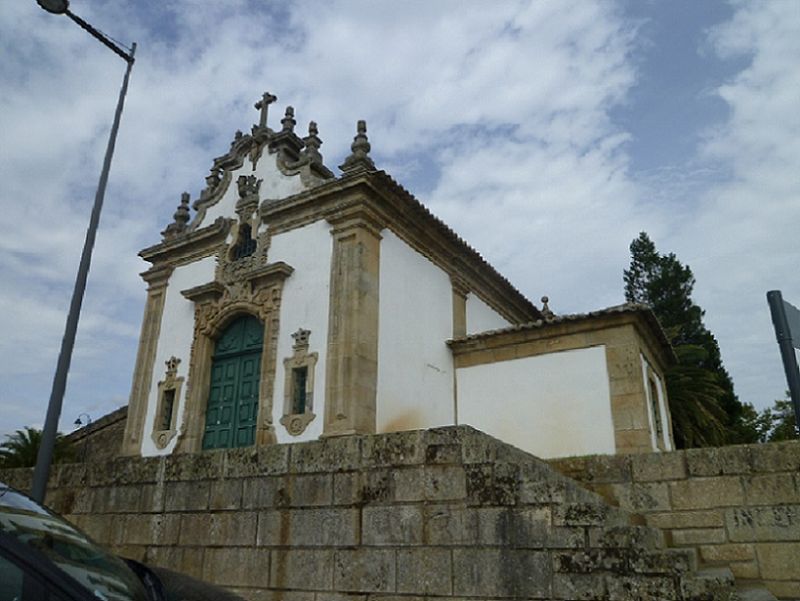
[{"x": 45, "y": 558}]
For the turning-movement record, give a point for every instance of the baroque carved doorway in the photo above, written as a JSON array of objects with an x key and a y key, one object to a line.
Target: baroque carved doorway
[{"x": 232, "y": 409}]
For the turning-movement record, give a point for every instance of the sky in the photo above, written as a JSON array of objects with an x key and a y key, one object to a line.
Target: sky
[{"x": 547, "y": 133}]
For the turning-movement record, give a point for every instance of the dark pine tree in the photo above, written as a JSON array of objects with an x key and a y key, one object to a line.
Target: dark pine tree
[{"x": 705, "y": 408}]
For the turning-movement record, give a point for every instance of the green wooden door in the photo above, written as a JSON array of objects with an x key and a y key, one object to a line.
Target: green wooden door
[{"x": 233, "y": 397}]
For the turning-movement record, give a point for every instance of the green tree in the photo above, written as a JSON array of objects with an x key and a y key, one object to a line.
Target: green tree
[
  {"x": 21, "y": 448},
  {"x": 778, "y": 422},
  {"x": 705, "y": 408}
]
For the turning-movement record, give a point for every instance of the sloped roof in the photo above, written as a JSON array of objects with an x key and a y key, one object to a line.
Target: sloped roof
[{"x": 541, "y": 324}]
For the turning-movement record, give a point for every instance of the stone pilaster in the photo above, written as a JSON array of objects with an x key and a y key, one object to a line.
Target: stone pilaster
[
  {"x": 352, "y": 356},
  {"x": 157, "y": 279},
  {"x": 460, "y": 291}
]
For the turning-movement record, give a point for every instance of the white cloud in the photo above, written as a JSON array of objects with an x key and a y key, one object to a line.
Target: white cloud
[
  {"x": 505, "y": 106},
  {"x": 742, "y": 239}
]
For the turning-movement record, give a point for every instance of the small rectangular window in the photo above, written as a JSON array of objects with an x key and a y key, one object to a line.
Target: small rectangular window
[
  {"x": 167, "y": 407},
  {"x": 656, "y": 411},
  {"x": 299, "y": 378}
]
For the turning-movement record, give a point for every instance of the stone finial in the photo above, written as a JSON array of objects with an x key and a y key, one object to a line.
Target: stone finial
[
  {"x": 263, "y": 106},
  {"x": 248, "y": 186},
  {"x": 172, "y": 365},
  {"x": 288, "y": 122},
  {"x": 181, "y": 219},
  {"x": 312, "y": 144},
  {"x": 546, "y": 312},
  {"x": 237, "y": 137},
  {"x": 301, "y": 338},
  {"x": 359, "y": 161}
]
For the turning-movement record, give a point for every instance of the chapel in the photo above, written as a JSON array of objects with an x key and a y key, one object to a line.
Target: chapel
[{"x": 287, "y": 303}]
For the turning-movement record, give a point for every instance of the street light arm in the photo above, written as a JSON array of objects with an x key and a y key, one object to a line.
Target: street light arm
[{"x": 97, "y": 34}]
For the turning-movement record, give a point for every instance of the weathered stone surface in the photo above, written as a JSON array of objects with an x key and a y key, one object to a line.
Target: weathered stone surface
[
  {"x": 686, "y": 519},
  {"x": 303, "y": 569},
  {"x": 719, "y": 461},
  {"x": 346, "y": 488},
  {"x": 447, "y": 453},
  {"x": 424, "y": 571},
  {"x": 588, "y": 514},
  {"x": 783, "y": 589},
  {"x": 193, "y": 466},
  {"x": 400, "y": 448},
  {"x": 340, "y": 453},
  {"x": 266, "y": 492},
  {"x": 706, "y": 493},
  {"x": 492, "y": 484},
  {"x": 579, "y": 587},
  {"x": 665, "y": 561},
  {"x": 237, "y": 567},
  {"x": 627, "y": 587},
  {"x": 260, "y": 461},
  {"x": 727, "y": 552},
  {"x": 365, "y": 570},
  {"x": 125, "y": 470},
  {"x": 698, "y": 536},
  {"x": 231, "y": 529},
  {"x": 777, "y": 523},
  {"x": 377, "y": 486},
  {"x": 152, "y": 529},
  {"x": 392, "y": 525},
  {"x": 225, "y": 494},
  {"x": 326, "y": 527},
  {"x": 461, "y": 515},
  {"x": 186, "y": 496},
  {"x": 409, "y": 484},
  {"x": 620, "y": 537},
  {"x": 501, "y": 573},
  {"x": 645, "y": 497},
  {"x": 777, "y": 457},
  {"x": 444, "y": 483},
  {"x": 310, "y": 490},
  {"x": 771, "y": 489},
  {"x": 186, "y": 560},
  {"x": 653, "y": 467}
]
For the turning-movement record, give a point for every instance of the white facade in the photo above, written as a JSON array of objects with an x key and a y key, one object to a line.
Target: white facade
[
  {"x": 415, "y": 367},
  {"x": 175, "y": 340},
  {"x": 481, "y": 317},
  {"x": 304, "y": 304},
  {"x": 550, "y": 405}
]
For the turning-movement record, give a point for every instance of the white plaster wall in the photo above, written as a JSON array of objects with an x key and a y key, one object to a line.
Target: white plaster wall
[
  {"x": 304, "y": 304},
  {"x": 481, "y": 317},
  {"x": 415, "y": 366},
  {"x": 553, "y": 405},
  {"x": 175, "y": 338},
  {"x": 661, "y": 403},
  {"x": 275, "y": 185}
]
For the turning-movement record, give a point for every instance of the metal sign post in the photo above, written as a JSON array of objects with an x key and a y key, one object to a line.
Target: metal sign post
[{"x": 786, "y": 319}]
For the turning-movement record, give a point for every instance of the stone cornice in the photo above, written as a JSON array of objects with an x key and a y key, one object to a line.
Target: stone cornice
[
  {"x": 642, "y": 319},
  {"x": 193, "y": 245},
  {"x": 396, "y": 209}
]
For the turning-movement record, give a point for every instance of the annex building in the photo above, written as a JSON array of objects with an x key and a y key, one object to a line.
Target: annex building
[{"x": 287, "y": 304}]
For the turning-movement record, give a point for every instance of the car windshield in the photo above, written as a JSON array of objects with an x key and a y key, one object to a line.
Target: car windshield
[{"x": 105, "y": 575}]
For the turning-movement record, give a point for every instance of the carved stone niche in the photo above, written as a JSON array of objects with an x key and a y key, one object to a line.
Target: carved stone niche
[
  {"x": 169, "y": 395},
  {"x": 298, "y": 387}
]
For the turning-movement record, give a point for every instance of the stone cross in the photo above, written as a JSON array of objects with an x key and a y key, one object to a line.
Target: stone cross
[{"x": 263, "y": 106}]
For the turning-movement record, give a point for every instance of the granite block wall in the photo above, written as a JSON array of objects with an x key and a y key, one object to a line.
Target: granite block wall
[
  {"x": 448, "y": 513},
  {"x": 737, "y": 506}
]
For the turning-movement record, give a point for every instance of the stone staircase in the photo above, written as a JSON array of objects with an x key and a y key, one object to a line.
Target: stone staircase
[{"x": 447, "y": 513}]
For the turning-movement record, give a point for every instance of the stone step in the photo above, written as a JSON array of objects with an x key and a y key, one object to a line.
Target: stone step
[
  {"x": 708, "y": 584},
  {"x": 753, "y": 594}
]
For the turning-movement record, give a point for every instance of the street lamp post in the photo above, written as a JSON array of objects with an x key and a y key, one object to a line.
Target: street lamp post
[{"x": 45, "y": 456}]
